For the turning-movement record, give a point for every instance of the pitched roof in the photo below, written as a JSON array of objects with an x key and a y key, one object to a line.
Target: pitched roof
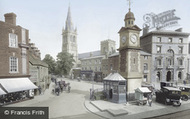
[
  {"x": 89, "y": 54},
  {"x": 36, "y": 61},
  {"x": 135, "y": 27},
  {"x": 144, "y": 53},
  {"x": 166, "y": 32},
  {"x": 114, "y": 77}
]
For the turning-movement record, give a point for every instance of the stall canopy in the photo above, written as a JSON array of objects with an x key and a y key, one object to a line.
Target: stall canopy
[
  {"x": 143, "y": 90},
  {"x": 114, "y": 77},
  {"x": 17, "y": 84},
  {"x": 2, "y": 92}
]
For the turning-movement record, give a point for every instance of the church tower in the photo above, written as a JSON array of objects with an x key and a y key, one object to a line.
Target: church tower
[
  {"x": 129, "y": 58},
  {"x": 69, "y": 38}
]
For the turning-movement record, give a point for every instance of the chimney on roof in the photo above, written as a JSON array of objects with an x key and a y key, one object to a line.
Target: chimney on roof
[{"x": 10, "y": 18}]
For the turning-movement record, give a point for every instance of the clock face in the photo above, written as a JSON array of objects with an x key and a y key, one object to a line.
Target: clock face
[
  {"x": 133, "y": 38},
  {"x": 123, "y": 39}
]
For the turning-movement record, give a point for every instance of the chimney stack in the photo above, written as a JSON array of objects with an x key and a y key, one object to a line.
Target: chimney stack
[{"x": 10, "y": 18}]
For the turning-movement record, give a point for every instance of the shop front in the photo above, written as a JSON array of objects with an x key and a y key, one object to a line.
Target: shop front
[{"x": 16, "y": 89}]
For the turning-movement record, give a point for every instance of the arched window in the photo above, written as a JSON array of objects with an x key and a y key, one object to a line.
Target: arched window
[
  {"x": 179, "y": 75},
  {"x": 158, "y": 76}
]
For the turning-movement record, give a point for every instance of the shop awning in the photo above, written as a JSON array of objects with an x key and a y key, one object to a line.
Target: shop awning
[
  {"x": 17, "y": 84},
  {"x": 2, "y": 92}
]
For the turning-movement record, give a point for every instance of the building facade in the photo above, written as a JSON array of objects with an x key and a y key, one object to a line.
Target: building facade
[
  {"x": 13, "y": 48},
  {"x": 14, "y": 66},
  {"x": 91, "y": 62},
  {"x": 38, "y": 70},
  {"x": 169, "y": 51}
]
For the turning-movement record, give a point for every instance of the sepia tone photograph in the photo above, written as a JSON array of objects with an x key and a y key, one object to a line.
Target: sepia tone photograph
[{"x": 94, "y": 59}]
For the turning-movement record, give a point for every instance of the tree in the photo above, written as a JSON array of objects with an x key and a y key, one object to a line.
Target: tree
[
  {"x": 65, "y": 62},
  {"x": 51, "y": 63}
]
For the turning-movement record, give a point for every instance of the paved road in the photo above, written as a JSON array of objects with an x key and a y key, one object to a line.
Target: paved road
[
  {"x": 67, "y": 105},
  {"x": 178, "y": 115}
]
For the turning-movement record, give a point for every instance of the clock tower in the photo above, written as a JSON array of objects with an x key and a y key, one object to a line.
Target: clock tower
[{"x": 129, "y": 54}]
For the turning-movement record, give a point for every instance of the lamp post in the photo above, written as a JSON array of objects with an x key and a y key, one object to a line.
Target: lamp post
[{"x": 93, "y": 74}]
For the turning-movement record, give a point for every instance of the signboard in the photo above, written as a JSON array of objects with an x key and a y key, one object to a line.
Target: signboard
[
  {"x": 160, "y": 21},
  {"x": 34, "y": 75}
]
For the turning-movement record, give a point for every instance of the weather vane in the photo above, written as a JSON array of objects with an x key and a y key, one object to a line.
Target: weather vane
[{"x": 129, "y": 4}]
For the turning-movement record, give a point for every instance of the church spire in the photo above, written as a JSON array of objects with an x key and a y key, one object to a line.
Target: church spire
[{"x": 69, "y": 24}]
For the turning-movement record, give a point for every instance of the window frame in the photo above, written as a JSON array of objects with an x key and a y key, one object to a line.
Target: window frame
[
  {"x": 11, "y": 41},
  {"x": 13, "y": 65}
]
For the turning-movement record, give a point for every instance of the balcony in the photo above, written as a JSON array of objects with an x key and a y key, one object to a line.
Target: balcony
[
  {"x": 146, "y": 71},
  {"x": 181, "y": 67},
  {"x": 170, "y": 66},
  {"x": 159, "y": 66}
]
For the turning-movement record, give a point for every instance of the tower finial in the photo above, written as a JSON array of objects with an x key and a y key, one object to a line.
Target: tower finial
[{"x": 129, "y": 4}]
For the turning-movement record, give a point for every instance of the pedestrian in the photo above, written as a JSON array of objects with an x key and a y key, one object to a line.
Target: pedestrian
[
  {"x": 69, "y": 88},
  {"x": 90, "y": 93},
  {"x": 149, "y": 98},
  {"x": 40, "y": 90}
]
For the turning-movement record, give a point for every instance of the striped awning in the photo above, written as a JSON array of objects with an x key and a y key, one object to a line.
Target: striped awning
[
  {"x": 17, "y": 84},
  {"x": 2, "y": 92}
]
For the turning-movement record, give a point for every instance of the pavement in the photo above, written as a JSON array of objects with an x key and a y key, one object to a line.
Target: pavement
[
  {"x": 77, "y": 104},
  {"x": 131, "y": 110}
]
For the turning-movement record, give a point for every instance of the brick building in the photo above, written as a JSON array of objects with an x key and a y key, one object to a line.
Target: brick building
[{"x": 14, "y": 67}]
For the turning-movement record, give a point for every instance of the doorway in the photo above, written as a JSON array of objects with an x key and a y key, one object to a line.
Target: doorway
[{"x": 169, "y": 76}]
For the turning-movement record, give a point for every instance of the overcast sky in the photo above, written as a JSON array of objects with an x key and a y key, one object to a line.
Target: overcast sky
[{"x": 96, "y": 20}]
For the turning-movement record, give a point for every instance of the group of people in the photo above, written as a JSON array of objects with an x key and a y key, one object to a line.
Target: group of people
[{"x": 60, "y": 86}]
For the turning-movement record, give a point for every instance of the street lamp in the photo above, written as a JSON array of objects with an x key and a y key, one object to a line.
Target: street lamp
[{"x": 93, "y": 74}]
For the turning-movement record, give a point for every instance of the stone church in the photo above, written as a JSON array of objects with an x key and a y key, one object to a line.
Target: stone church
[{"x": 69, "y": 38}]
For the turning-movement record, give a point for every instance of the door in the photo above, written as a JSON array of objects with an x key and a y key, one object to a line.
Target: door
[{"x": 169, "y": 76}]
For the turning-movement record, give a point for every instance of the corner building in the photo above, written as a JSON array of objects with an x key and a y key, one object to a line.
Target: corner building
[{"x": 169, "y": 51}]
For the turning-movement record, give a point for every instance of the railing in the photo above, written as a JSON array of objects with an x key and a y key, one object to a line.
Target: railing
[
  {"x": 159, "y": 67},
  {"x": 170, "y": 66}
]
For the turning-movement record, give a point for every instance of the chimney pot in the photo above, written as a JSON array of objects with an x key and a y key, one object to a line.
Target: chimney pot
[{"x": 10, "y": 18}]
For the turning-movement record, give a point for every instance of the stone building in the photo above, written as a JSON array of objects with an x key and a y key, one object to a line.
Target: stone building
[
  {"x": 112, "y": 64},
  {"x": 14, "y": 66},
  {"x": 69, "y": 38},
  {"x": 38, "y": 69},
  {"x": 91, "y": 62},
  {"x": 169, "y": 51}
]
